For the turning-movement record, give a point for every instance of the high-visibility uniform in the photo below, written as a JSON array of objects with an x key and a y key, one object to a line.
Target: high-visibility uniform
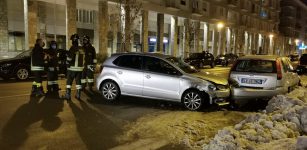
[
  {"x": 89, "y": 67},
  {"x": 37, "y": 68}
]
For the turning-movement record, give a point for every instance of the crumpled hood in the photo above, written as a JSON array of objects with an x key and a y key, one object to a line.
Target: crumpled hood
[{"x": 210, "y": 77}]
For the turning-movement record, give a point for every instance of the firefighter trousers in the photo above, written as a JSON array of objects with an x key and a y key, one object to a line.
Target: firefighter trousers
[
  {"x": 52, "y": 76},
  {"x": 71, "y": 76},
  {"x": 87, "y": 77}
]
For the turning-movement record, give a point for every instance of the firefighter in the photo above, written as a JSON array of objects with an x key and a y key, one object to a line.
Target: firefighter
[
  {"x": 37, "y": 67},
  {"x": 75, "y": 59},
  {"x": 52, "y": 68},
  {"x": 90, "y": 64}
]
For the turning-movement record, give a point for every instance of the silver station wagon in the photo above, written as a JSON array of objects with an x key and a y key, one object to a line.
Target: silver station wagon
[
  {"x": 262, "y": 77},
  {"x": 157, "y": 76}
]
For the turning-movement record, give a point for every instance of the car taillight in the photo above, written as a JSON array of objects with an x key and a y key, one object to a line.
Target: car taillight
[{"x": 279, "y": 73}]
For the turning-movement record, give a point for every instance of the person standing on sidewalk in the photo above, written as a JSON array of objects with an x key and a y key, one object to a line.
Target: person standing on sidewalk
[
  {"x": 90, "y": 64},
  {"x": 37, "y": 67},
  {"x": 52, "y": 68},
  {"x": 75, "y": 59}
]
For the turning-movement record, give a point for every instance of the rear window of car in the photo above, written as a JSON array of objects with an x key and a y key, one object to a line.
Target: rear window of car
[
  {"x": 303, "y": 59},
  {"x": 257, "y": 66},
  {"x": 129, "y": 61}
]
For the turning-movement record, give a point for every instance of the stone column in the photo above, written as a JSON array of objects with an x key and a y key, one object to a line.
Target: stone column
[
  {"x": 4, "y": 34},
  {"x": 42, "y": 20},
  {"x": 197, "y": 47},
  {"x": 31, "y": 21},
  {"x": 145, "y": 30},
  {"x": 103, "y": 18},
  {"x": 160, "y": 25},
  {"x": 174, "y": 36},
  {"x": 206, "y": 34},
  {"x": 71, "y": 20},
  {"x": 215, "y": 42},
  {"x": 186, "y": 46}
]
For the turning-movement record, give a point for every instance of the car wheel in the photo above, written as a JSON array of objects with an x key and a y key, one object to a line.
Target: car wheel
[
  {"x": 201, "y": 65},
  {"x": 192, "y": 100},
  {"x": 22, "y": 73},
  {"x": 110, "y": 91}
]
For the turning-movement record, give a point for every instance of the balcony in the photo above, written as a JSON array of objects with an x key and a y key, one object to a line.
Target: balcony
[
  {"x": 244, "y": 6},
  {"x": 196, "y": 12},
  {"x": 232, "y": 3},
  {"x": 171, "y": 4}
]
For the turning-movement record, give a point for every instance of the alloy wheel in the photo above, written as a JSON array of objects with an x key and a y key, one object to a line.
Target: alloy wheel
[
  {"x": 192, "y": 100},
  {"x": 110, "y": 91},
  {"x": 22, "y": 74}
]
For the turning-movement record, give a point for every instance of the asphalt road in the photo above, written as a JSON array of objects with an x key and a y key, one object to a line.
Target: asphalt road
[{"x": 51, "y": 123}]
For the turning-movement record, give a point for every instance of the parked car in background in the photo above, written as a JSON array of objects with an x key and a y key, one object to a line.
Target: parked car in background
[
  {"x": 262, "y": 76},
  {"x": 199, "y": 60},
  {"x": 161, "y": 77},
  {"x": 302, "y": 65},
  {"x": 294, "y": 57},
  {"x": 19, "y": 67},
  {"x": 226, "y": 59}
]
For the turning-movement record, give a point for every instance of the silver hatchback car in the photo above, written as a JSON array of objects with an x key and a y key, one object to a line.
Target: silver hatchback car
[
  {"x": 163, "y": 77},
  {"x": 262, "y": 76}
]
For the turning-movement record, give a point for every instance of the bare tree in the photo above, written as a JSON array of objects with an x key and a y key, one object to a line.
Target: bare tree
[{"x": 128, "y": 12}]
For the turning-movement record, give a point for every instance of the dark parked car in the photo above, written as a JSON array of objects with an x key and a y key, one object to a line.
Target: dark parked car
[
  {"x": 199, "y": 60},
  {"x": 19, "y": 67},
  {"x": 226, "y": 59},
  {"x": 302, "y": 65},
  {"x": 294, "y": 57}
]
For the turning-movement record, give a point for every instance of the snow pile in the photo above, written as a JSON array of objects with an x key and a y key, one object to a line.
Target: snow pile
[
  {"x": 191, "y": 129},
  {"x": 284, "y": 119}
]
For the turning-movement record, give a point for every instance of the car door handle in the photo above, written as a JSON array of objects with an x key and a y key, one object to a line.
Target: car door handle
[
  {"x": 148, "y": 76},
  {"x": 119, "y": 72}
]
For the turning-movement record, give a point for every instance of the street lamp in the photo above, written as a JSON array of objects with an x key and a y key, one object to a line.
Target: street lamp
[
  {"x": 271, "y": 35},
  {"x": 296, "y": 42},
  {"x": 220, "y": 25}
]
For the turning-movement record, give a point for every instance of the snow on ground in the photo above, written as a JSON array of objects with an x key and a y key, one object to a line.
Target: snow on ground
[
  {"x": 276, "y": 128},
  {"x": 191, "y": 129}
]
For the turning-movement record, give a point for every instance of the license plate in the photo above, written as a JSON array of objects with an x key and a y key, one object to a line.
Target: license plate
[{"x": 251, "y": 81}]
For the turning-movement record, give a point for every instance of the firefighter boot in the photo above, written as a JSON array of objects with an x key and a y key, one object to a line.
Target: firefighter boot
[
  {"x": 78, "y": 94},
  {"x": 49, "y": 89},
  {"x": 40, "y": 91},
  {"x": 56, "y": 87},
  {"x": 68, "y": 94},
  {"x": 33, "y": 91}
]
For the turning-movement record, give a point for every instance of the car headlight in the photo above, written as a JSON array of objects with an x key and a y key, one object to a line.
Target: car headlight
[
  {"x": 212, "y": 87},
  {"x": 221, "y": 87}
]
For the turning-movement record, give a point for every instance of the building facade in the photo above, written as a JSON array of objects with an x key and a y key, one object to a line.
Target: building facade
[
  {"x": 176, "y": 27},
  {"x": 293, "y": 25}
]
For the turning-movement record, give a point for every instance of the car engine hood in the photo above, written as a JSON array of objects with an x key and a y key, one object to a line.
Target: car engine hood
[{"x": 210, "y": 77}]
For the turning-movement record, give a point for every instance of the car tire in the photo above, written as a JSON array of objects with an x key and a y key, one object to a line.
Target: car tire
[
  {"x": 192, "y": 100},
  {"x": 22, "y": 73},
  {"x": 110, "y": 91},
  {"x": 201, "y": 65}
]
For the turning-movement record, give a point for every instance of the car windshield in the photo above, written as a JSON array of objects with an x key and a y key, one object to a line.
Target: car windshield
[
  {"x": 182, "y": 65},
  {"x": 23, "y": 54},
  {"x": 195, "y": 55},
  {"x": 258, "y": 66}
]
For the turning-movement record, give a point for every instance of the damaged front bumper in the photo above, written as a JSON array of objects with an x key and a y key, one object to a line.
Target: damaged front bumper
[{"x": 220, "y": 97}]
